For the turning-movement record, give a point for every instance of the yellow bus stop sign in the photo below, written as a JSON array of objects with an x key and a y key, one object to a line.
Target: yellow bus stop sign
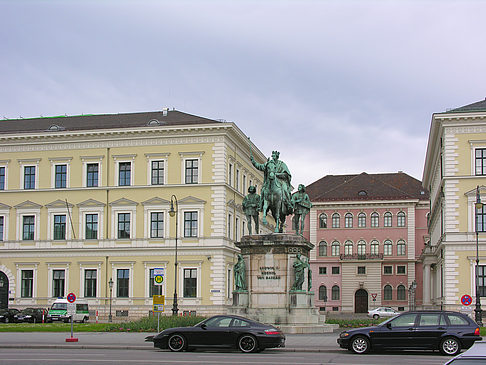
[{"x": 158, "y": 303}]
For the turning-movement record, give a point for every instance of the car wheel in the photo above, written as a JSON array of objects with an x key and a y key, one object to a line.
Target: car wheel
[
  {"x": 84, "y": 320},
  {"x": 360, "y": 345},
  {"x": 247, "y": 343},
  {"x": 376, "y": 316},
  {"x": 450, "y": 346},
  {"x": 176, "y": 343}
]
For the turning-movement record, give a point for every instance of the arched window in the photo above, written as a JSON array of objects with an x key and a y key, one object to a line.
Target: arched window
[
  {"x": 401, "y": 219},
  {"x": 323, "y": 293},
  {"x": 401, "y": 292},
  {"x": 335, "y": 220},
  {"x": 387, "y": 292},
  {"x": 374, "y": 248},
  {"x": 323, "y": 220},
  {"x": 335, "y": 292},
  {"x": 348, "y": 248},
  {"x": 387, "y": 248},
  {"x": 335, "y": 248},
  {"x": 361, "y": 220},
  {"x": 361, "y": 248},
  {"x": 387, "y": 219},
  {"x": 374, "y": 219},
  {"x": 323, "y": 248},
  {"x": 401, "y": 248},
  {"x": 348, "y": 220}
]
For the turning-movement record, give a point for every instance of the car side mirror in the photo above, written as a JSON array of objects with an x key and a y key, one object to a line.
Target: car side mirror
[
  {"x": 203, "y": 326},
  {"x": 388, "y": 325}
]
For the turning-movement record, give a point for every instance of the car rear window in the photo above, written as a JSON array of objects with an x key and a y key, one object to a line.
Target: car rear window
[{"x": 457, "y": 320}]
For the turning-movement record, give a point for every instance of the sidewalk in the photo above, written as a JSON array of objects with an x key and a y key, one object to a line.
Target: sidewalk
[{"x": 136, "y": 341}]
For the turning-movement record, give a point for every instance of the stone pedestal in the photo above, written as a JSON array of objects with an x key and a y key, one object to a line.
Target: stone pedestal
[{"x": 269, "y": 261}]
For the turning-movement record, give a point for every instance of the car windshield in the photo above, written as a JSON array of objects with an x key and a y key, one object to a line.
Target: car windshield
[
  {"x": 385, "y": 322},
  {"x": 59, "y": 306}
]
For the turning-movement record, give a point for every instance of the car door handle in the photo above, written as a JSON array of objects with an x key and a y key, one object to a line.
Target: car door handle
[{"x": 412, "y": 329}]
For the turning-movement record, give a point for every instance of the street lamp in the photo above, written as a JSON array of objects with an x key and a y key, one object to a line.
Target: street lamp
[
  {"x": 110, "y": 284},
  {"x": 174, "y": 212},
  {"x": 478, "y": 317}
]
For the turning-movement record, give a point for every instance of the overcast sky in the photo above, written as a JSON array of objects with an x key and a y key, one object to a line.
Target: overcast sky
[{"x": 338, "y": 87}]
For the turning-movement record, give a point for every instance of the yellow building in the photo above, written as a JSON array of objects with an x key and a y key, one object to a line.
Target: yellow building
[
  {"x": 455, "y": 165},
  {"x": 86, "y": 199}
]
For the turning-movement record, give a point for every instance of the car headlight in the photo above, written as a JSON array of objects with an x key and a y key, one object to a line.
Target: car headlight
[
  {"x": 344, "y": 334},
  {"x": 28, "y": 316}
]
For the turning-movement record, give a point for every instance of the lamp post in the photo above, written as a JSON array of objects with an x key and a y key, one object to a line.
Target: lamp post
[
  {"x": 174, "y": 212},
  {"x": 110, "y": 284},
  {"x": 411, "y": 290},
  {"x": 478, "y": 312}
]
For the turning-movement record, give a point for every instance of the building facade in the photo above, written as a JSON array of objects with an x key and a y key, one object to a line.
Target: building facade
[
  {"x": 368, "y": 231},
  {"x": 455, "y": 166},
  {"x": 85, "y": 200}
]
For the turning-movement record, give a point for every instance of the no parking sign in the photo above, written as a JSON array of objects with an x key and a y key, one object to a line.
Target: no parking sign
[{"x": 466, "y": 299}]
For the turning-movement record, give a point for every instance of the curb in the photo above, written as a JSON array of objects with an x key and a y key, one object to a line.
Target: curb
[{"x": 109, "y": 347}]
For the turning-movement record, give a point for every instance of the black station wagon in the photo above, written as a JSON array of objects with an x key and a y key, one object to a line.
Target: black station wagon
[{"x": 448, "y": 332}]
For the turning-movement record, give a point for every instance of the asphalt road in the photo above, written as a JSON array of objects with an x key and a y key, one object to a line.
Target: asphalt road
[{"x": 269, "y": 357}]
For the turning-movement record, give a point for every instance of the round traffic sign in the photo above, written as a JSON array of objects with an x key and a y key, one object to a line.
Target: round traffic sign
[
  {"x": 466, "y": 299},
  {"x": 71, "y": 297},
  {"x": 159, "y": 279}
]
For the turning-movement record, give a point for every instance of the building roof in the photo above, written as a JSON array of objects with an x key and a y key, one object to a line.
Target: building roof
[
  {"x": 101, "y": 121},
  {"x": 479, "y": 106},
  {"x": 392, "y": 186}
]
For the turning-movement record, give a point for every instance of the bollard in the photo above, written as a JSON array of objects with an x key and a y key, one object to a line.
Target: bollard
[
  {"x": 43, "y": 316},
  {"x": 96, "y": 316}
]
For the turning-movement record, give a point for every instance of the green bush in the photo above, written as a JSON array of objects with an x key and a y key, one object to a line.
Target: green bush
[
  {"x": 149, "y": 324},
  {"x": 354, "y": 323}
]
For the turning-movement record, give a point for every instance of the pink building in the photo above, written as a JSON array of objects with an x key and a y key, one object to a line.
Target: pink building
[{"x": 369, "y": 231}]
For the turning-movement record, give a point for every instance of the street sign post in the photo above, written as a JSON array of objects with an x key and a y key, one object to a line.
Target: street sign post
[
  {"x": 71, "y": 311},
  {"x": 159, "y": 276},
  {"x": 158, "y": 303}
]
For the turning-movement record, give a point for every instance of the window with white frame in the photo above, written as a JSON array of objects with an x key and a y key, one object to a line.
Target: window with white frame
[
  {"x": 92, "y": 174},
  {"x": 361, "y": 220},
  {"x": 190, "y": 283},
  {"x": 60, "y": 176},
  {"x": 90, "y": 278},
  {"x": 374, "y": 221},
  {"x": 230, "y": 224},
  {"x": 348, "y": 220},
  {"x": 2, "y": 224},
  {"x": 156, "y": 224},
  {"x": 58, "y": 283},
  {"x": 124, "y": 173},
  {"x": 401, "y": 248},
  {"x": 190, "y": 223},
  {"x": 191, "y": 168},
  {"x": 480, "y": 161},
  {"x": 388, "y": 270},
  {"x": 387, "y": 219},
  {"x": 92, "y": 171},
  {"x": 157, "y": 169},
  {"x": 401, "y": 219},
  {"x": 123, "y": 215},
  {"x": 323, "y": 220},
  {"x": 335, "y": 220},
  {"x": 59, "y": 227},
  {"x": 27, "y": 283},
  {"x": 335, "y": 248},
  {"x": 122, "y": 283},
  {"x": 91, "y": 226},
  {"x": 3, "y": 177},
  {"x": 28, "y": 227},
  {"x": 29, "y": 177},
  {"x": 123, "y": 224},
  {"x": 374, "y": 248},
  {"x": 230, "y": 174},
  {"x": 401, "y": 270},
  {"x": 387, "y": 248},
  {"x": 237, "y": 180}
]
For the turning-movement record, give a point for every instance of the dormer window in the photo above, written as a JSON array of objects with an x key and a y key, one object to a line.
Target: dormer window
[
  {"x": 153, "y": 123},
  {"x": 362, "y": 193},
  {"x": 55, "y": 128}
]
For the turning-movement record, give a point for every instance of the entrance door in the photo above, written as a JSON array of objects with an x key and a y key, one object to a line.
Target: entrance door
[
  {"x": 3, "y": 290},
  {"x": 361, "y": 301}
]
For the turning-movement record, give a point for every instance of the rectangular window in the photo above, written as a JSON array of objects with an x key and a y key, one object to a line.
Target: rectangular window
[
  {"x": 156, "y": 225},
  {"x": 244, "y": 184},
  {"x": 190, "y": 283},
  {"x": 230, "y": 175},
  {"x": 190, "y": 224},
  {"x": 2, "y": 178},
  {"x": 123, "y": 225},
  {"x": 91, "y": 226},
  {"x": 388, "y": 270},
  {"x": 122, "y": 277},
  {"x": 480, "y": 161},
  {"x": 191, "y": 170},
  {"x": 335, "y": 270},
  {"x": 92, "y": 173},
  {"x": 481, "y": 219},
  {"x": 361, "y": 270},
  {"x": 335, "y": 220},
  {"x": 90, "y": 283},
  {"x": 237, "y": 227},
  {"x": 58, "y": 277},
  {"x": 60, "y": 227},
  {"x": 27, "y": 284},
  {"x": 157, "y": 172},
  {"x": 1, "y": 228},
  {"x": 401, "y": 270},
  {"x": 124, "y": 173},
  {"x": 237, "y": 182},
  {"x": 29, "y": 177},
  {"x": 322, "y": 270},
  {"x": 60, "y": 176},
  {"x": 154, "y": 289},
  {"x": 482, "y": 280},
  {"x": 28, "y": 227}
]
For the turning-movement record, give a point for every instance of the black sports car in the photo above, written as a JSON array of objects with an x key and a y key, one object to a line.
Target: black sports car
[
  {"x": 221, "y": 331},
  {"x": 7, "y": 315},
  {"x": 446, "y": 331}
]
